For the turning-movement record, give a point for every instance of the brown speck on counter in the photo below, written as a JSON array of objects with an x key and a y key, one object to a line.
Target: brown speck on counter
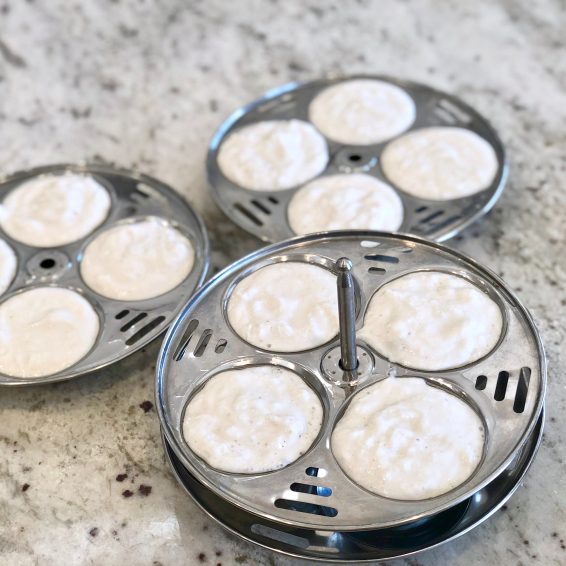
[
  {"x": 202, "y": 557},
  {"x": 525, "y": 542},
  {"x": 121, "y": 477},
  {"x": 504, "y": 508},
  {"x": 145, "y": 490},
  {"x": 146, "y": 406},
  {"x": 554, "y": 535},
  {"x": 25, "y": 487},
  {"x": 218, "y": 553},
  {"x": 127, "y": 493},
  {"x": 240, "y": 559},
  {"x": 93, "y": 532}
]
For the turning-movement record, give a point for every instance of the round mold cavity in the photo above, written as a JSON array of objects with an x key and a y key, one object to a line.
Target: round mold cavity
[
  {"x": 350, "y": 509},
  {"x": 127, "y": 326},
  {"x": 319, "y": 261},
  {"x": 481, "y": 284},
  {"x": 312, "y": 382},
  {"x": 449, "y": 388},
  {"x": 264, "y": 213},
  {"x": 134, "y": 220},
  {"x": 101, "y": 321}
]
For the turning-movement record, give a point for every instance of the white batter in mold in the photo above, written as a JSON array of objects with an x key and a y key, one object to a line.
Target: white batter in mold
[
  {"x": 137, "y": 260},
  {"x": 362, "y": 111},
  {"x": 285, "y": 307},
  {"x": 45, "y": 330},
  {"x": 440, "y": 163},
  {"x": 54, "y": 210},
  {"x": 432, "y": 321},
  {"x": 403, "y": 439},
  {"x": 345, "y": 202},
  {"x": 273, "y": 155},
  {"x": 8, "y": 266},
  {"x": 252, "y": 420}
]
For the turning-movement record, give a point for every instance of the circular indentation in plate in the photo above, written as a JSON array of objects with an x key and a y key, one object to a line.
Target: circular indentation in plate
[
  {"x": 48, "y": 265},
  {"x": 264, "y": 213},
  {"x": 125, "y": 327}
]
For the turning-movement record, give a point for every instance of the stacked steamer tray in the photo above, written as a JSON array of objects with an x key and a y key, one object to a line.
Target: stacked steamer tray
[
  {"x": 124, "y": 326},
  {"x": 264, "y": 210},
  {"x": 310, "y": 508}
]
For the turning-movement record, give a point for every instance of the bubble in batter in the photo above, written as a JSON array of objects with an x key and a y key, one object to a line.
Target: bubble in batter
[
  {"x": 45, "y": 330},
  {"x": 285, "y": 307},
  {"x": 137, "y": 261},
  {"x": 362, "y": 111},
  {"x": 432, "y": 321},
  {"x": 252, "y": 420},
  {"x": 403, "y": 439},
  {"x": 8, "y": 266},
  {"x": 273, "y": 155},
  {"x": 440, "y": 163},
  {"x": 54, "y": 210},
  {"x": 345, "y": 202}
]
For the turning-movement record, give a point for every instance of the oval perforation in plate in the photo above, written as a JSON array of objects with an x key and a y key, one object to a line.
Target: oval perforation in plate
[
  {"x": 126, "y": 326},
  {"x": 437, "y": 220},
  {"x": 506, "y": 428}
]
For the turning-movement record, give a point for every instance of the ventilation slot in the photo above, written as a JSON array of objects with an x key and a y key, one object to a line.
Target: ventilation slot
[
  {"x": 481, "y": 382},
  {"x": 248, "y": 214},
  {"x": 421, "y": 209},
  {"x": 384, "y": 258},
  {"x": 444, "y": 115},
  {"x": 522, "y": 390},
  {"x": 501, "y": 387},
  {"x": 186, "y": 339},
  {"x": 309, "y": 508},
  {"x": 457, "y": 112},
  {"x": 133, "y": 322},
  {"x": 443, "y": 224},
  {"x": 273, "y": 200},
  {"x": 145, "y": 330},
  {"x": 280, "y": 536},
  {"x": 203, "y": 343},
  {"x": 311, "y": 489},
  {"x": 432, "y": 216},
  {"x": 316, "y": 472},
  {"x": 122, "y": 314},
  {"x": 376, "y": 270},
  {"x": 220, "y": 346},
  {"x": 261, "y": 207}
]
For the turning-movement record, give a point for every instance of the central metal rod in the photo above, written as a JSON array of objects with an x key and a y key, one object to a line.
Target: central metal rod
[{"x": 347, "y": 317}]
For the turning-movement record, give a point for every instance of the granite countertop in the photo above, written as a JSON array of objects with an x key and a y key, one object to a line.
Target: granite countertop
[{"x": 145, "y": 83}]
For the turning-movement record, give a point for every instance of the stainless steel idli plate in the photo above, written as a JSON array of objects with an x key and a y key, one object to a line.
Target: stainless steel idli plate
[
  {"x": 125, "y": 326},
  {"x": 264, "y": 213}
]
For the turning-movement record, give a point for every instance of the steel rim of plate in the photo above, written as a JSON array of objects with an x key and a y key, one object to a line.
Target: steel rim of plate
[
  {"x": 133, "y": 196},
  {"x": 506, "y": 430},
  {"x": 339, "y": 547},
  {"x": 264, "y": 213}
]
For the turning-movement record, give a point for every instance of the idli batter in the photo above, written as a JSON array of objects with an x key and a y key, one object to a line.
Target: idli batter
[
  {"x": 54, "y": 210},
  {"x": 45, "y": 330},
  {"x": 345, "y": 202},
  {"x": 402, "y": 439},
  {"x": 285, "y": 307},
  {"x": 137, "y": 260},
  {"x": 440, "y": 163},
  {"x": 252, "y": 420},
  {"x": 362, "y": 111},
  {"x": 431, "y": 321},
  {"x": 8, "y": 266},
  {"x": 273, "y": 155}
]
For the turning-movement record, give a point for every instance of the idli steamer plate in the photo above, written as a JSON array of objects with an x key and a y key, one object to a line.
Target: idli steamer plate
[
  {"x": 125, "y": 326},
  {"x": 364, "y": 546},
  {"x": 506, "y": 387},
  {"x": 264, "y": 213}
]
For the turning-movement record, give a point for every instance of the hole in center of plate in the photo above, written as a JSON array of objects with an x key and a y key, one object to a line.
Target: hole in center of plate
[{"x": 47, "y": 263}]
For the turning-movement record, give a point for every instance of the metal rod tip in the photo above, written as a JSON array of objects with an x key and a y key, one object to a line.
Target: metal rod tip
[{"x": 344, "y": 264}]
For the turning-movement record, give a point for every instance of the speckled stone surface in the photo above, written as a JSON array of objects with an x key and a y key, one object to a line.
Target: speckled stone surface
[{"x": 144, "y": 84}]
